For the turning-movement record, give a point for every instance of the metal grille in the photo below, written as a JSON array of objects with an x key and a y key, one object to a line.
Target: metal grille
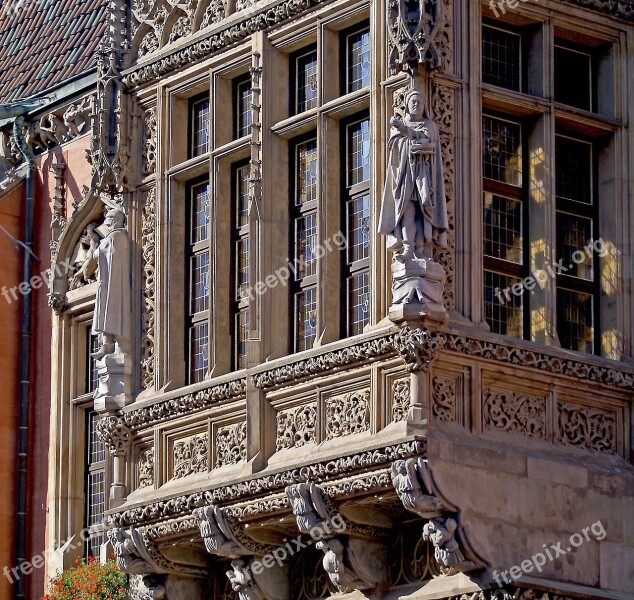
[
  {"x": 92, "y": 379},
  {"x": 574, "y": 235},
  {"x": 199, "y": 283},
  {"x": 573, "y": 173},
  {"x": 305, "y": 245},
  {"x": 575, "y": 320},
  {"x": 96, "y": 497},
  {"x": 358, "y": 152},
  {"x": 358, "y": 234},
  {"x": 501, "y": 58},
  {"x": 502, "y": 151},
  {"x": 358, "y": 50},
  {"x": 198, "y": 355},
  {"x": 243, "y": 108},
  {"x": 199, "y": 229},
  {"x": 200, "y": 127},
  {"x": 503, "y": 228},
  {"x": 306, "y": 319},
  {"x": 96, "y": 449},
  {"x": 242, "y": 267},
  {"x": 306, "y": 84},
  {"x": 306, "y": 161},
  {"x": 502, "y": 308},
  {"x": 242, "y": 200},
  {"x": 358, "y": 302},
  {"x": 242, "y": 335}
]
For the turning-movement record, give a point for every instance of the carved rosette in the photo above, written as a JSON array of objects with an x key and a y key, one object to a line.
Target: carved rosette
[
  {"x": 114, "y": 435},
  {"x": 418, "y": 347}
]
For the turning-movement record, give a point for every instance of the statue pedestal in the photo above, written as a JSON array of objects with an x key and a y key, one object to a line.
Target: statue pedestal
[
  {"x": 417, "y": 288},
  {"x": 113, "y": 391}
]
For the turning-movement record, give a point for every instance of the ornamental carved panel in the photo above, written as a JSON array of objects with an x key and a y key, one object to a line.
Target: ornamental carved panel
[
  {"x": 296, "y": 426},
  {"x": 445, "y": 399},
  {"x": 150, "y": 130},
  {"x": 148, "y": 287},
  {"x": 514, "y": 412},
  {"x": 231, "y": 444},
  {"x": 190, "y": 456},
  {"x": 347, "y": 414},
  {"x": 145, "y": 467},
  {"x": 588, "y": 428},
  {"x": 401, "y": 399}
]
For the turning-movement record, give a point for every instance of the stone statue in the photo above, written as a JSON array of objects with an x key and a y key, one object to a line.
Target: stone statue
[
  {"x": 83, "y": 262},
  {"x": 112, "y": 306},
  {"x": 414, "y": 208}
]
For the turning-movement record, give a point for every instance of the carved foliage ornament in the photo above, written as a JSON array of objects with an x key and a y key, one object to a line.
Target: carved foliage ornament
[
  {"x": 589, "y": 428},
  {"x": 513, "y": 412},
  {"x": 401, "y": 399},
  {"x": 231, "y": 444},
  {"x": 148, "y": 243},
  {"x": 412, "y": 27},
  {"x": 347, "y": 414},
  {"x": 418, "y": 347},
  {"x": 296, "y": 426},
  {"x": 191, "y": 456},
  {"x": 114, "y": 435}
]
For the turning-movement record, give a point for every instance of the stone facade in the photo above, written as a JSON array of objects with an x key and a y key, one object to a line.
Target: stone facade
[{"x": 424, "y": 457}]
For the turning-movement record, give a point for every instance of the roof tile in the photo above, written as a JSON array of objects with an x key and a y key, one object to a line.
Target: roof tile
[{"x": 45, "y": 42}]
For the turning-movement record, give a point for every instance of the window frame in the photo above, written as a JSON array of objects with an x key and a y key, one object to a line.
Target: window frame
[{"x": 191, "y": 117}]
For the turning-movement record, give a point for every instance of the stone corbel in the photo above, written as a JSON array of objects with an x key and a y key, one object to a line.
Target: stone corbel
[
  {"x": 153, "y": 575},
  {"x": 255, "y": 573},
  {"x": 415, "y": 486},
  {"x": 353, "y": 559},
  {"x": 418, "y": 347},
  {"x": 114, "y": 435}
]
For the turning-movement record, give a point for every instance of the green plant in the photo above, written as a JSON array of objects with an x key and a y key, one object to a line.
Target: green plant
[{"x": 89, "y": 580}]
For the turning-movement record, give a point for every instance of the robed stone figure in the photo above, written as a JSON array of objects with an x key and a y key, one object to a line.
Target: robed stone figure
[
  {"x": 414, "y": 208},
  {"x": 111, "y": 319}
]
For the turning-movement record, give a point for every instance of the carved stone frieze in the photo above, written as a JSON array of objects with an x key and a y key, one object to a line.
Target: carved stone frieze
[
  {"x": 323, "y": 471},
  {"x": 401, "y": 399},
  {"x": 150, "y": 132},
  {"x": 191, "y": 456},
  {"x": 418, "y": 347},
  {"x": 146, "y": 468},
  {"x": 347, "y": 414},
  {"x": 231, "y": 444},
  {"x": 511, "y": 593},
  {"x": 444, "y": 399},
  {"x": 513, "y": 412},
  {"x": 148, "y": 285},
  {"x": 585, "y": 427},
  {"x": 114, "y": 435},
  {"x": 186, "y": 404},
  {"x": 296, "y": 426},
  {"x": 549, "y": 363},
  {"x": 357, "y": 353}
]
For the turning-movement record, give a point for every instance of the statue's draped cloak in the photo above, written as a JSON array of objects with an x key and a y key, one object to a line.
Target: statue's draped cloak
[
  {"x": 413, "y": 177},
  {"x": 112, "y": 312}
]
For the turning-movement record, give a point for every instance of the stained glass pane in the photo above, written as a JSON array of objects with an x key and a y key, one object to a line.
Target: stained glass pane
[
  {"x": 305, "y": 245},
  {"x": 575, "y": 320},
  {"x": 502, "y": 228},
  {"x": 199, "y": 283},
  {"x": 198, "y": 353},
  {"x": 358, "y": 302},
  {"x": 243, "y": 108},
  {"x": 502, "y": 308},
  {"x": 358, "y": 60},
  {"x": 306, "y": 85},
  {"x": 306, "y": 176},
  {"x": 305, "y": 319},
  {"x": 501, "y": 58},
  {"x": 358, "y": 152},
  {"x": 199, "y": 213},
  {"x": 200, "y": 127},
  {"x": 502, "y": 151}
]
